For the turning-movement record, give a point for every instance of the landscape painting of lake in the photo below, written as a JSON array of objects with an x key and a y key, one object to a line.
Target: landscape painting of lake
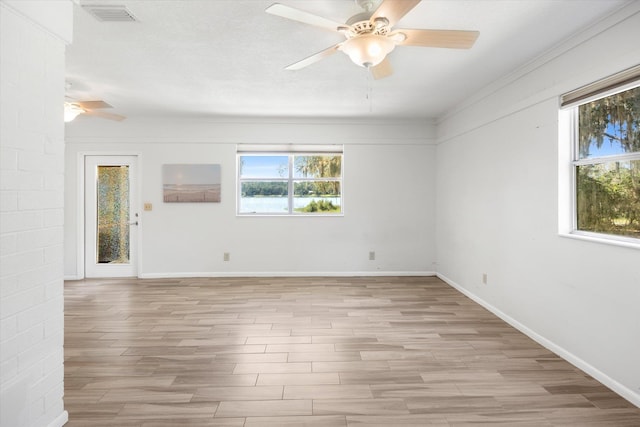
[{"x": 191, "y": 183}]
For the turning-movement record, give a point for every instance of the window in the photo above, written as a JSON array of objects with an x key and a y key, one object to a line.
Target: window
[
  {"x": 291, "y": 183},
  {"x": 606, "y": 159}
]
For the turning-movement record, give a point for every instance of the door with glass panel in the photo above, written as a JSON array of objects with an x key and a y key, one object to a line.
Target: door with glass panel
[{"x": 111, "y": 217}]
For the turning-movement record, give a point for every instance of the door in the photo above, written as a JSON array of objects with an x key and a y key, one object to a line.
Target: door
[{"x": 111, "y": 217}]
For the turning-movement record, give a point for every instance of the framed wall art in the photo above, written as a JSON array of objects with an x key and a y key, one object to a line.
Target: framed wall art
[{"x": 191, "y": 183}]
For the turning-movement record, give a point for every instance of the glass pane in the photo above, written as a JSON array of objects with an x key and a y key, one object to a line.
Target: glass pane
[
  {"x": 608, "y": 198},
  {"x": 610, "y": 125},
  {"x": 113, "y": 215},
  {"x": 317, "y": 197},
  {"x": 264, "y": 197},
  {"x": 317, "y": 166},
  {"x": 264, "y": 166}
]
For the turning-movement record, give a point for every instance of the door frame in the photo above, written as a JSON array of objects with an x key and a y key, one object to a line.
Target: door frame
[{"x": 80, "y": 208}]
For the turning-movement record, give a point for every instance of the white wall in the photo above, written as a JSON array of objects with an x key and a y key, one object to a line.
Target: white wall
[
  {"x": 389, "y": 194},
  {"x": 32, "y": 39},
  {"x": 496, "y": 198},
  {"x": 497, "y": 212}
]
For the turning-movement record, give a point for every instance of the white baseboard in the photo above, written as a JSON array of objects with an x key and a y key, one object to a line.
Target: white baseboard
[
  {"x": 614, "y": 385},
  {"x": 60, "y": 420},
  {"x": 73, "y": 277},
  {"x": 287, "y": 274}
]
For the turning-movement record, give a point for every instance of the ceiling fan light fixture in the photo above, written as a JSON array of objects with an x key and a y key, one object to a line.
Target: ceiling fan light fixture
[
  {"x": 71, "y": 111},
  {"x": 367, "y": 50}
]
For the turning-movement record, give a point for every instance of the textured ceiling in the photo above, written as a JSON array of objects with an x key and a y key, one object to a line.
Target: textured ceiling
[{"x": 212, "y": 58}]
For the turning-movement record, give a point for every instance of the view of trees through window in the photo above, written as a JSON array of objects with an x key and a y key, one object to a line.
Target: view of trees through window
[
  {"x": 608, "y": 165},
  {"x": 290, "y": 184}
]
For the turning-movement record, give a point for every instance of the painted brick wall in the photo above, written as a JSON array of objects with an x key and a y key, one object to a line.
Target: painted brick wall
[{"x": 31, "y": 219}]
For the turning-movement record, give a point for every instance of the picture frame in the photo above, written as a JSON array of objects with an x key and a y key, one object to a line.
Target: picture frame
[{"x": 191, "y": 183}]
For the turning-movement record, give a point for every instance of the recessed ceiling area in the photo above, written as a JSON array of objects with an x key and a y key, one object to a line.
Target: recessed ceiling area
[{"x": 226, "y": 58}]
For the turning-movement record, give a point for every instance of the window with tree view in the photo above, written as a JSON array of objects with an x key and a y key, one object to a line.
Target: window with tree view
[
  {"x": 290, "y": 184},
  {"x": 607, "y": 164}
]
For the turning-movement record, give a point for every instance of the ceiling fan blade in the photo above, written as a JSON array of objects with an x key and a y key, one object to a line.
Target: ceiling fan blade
[
  {"x": 452, "y": 39},
  {"x": 394, "y": 10},
  {"x": 91, "y": 105},
  {"x": 302, "y": 16},
  {"x": 103, "y": 115},
  {"x": 313, "y": 58},
  {"x": 382, "y": 70}
]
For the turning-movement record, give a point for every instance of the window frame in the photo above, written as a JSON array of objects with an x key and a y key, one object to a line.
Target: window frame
[
  {"x": 569, "y": 113},
  {"x": 290, "y": 179}
]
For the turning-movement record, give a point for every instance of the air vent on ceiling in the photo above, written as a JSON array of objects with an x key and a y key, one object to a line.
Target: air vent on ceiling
[{"x": 110, "y": 13}]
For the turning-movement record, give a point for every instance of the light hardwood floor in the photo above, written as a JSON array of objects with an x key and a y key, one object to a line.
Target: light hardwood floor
[{"x": 385, "y": 351}]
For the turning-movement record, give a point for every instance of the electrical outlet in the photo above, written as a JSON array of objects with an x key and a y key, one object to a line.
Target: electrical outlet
[
  {"x": 484, "y": 278},
  {"x": 226, "y": 256},
  {"x": 372, "y": 256}
]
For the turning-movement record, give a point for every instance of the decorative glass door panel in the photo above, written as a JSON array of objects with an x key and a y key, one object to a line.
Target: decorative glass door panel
[
  {"x": 110, "y": 218},
  {"x": 113, "y": 215}
]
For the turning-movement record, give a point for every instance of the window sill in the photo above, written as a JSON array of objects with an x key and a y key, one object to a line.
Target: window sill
[
  {"x": 278, "y": 215},
  {"x": 625, "y": 242}
]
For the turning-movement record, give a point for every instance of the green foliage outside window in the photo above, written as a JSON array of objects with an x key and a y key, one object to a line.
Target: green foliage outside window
[
  {"x": 264, "y": 189},
  {"x": 608, "y": 188},
  {"x": 290, "y": 184},
  {"x": 320, "y": 206}
]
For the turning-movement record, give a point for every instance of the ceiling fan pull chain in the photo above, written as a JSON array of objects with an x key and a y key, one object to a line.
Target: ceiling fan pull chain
[{"x": 369, "y": 95}]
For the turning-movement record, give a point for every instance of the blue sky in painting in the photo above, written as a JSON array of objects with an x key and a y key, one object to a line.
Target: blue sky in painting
[{"x": 190, "y": 174}]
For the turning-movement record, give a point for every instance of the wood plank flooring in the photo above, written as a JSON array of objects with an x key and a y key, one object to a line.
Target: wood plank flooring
[{"x": 385, "y": 351}]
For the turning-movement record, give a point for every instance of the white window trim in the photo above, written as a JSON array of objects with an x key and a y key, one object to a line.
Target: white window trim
[
  {"x": 568, "y": 157},
  {"x": 607, "y": 239},
  {"x": 290, "y": 151}
]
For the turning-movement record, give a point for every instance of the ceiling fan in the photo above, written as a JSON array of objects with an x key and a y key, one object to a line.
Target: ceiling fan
[
  {"x": 370, "y": 37},
  {"x": 73, "y": 109}
]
